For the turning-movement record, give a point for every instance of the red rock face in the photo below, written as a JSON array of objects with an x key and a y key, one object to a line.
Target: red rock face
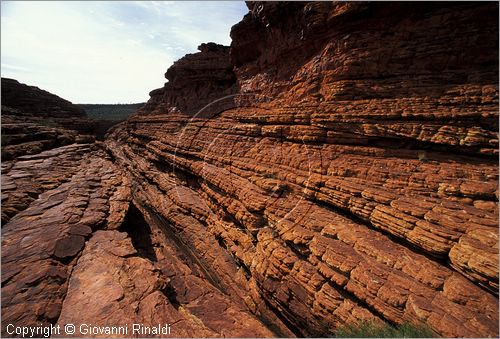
[
  {"x": 194, "y": 81},
  {"x": 32, "y": 100},
  {"x": 356, "y": 174},
  {"x": 75, "y": 196},
  {"x": 338, "y": 163},
  {"x": 34, "y": 120}
]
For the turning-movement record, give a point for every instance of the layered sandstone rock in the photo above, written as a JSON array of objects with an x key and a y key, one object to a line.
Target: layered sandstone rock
[
  {"x": 355, "y": 175},
  {"x": 337, "y": 163},
  {"x": 25, "y": 178},
  {"x": 144, "y": 281},
  {"x": 43, "y": 139},
  {"x": 41, "y": 244},
  {"x": 34, "y": 120},
  {"x": 194, "y": 81},
  {"x": 64, "y": 260},
  {"x": 31, "y": 100}
]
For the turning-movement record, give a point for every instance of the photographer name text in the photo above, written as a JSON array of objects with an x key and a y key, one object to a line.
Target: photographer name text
[{"x": 46, "y": 331}]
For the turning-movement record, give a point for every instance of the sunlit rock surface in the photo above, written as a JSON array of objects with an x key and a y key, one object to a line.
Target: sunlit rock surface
[{"x": 338, "y": 163}]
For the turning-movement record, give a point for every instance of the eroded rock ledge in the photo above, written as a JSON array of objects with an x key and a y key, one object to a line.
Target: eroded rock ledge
[
  {"x": 34, "y": 120},
  {"x": 359, "y": 181},
  {"x": 350, "y": 173}
]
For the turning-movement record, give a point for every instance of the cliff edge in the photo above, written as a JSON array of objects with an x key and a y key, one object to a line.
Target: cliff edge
[
  {"x": 353, "y": 174},
  {"x": 338, "y": 163}
]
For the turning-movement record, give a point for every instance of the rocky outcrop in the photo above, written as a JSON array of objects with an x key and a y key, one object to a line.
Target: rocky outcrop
[
  {"x": 355, "y": 175},
  {"x": 31, "y": 100},
  {"x": 77, "y": 255},
  {"x": 195, "y": 81},
  {"x": 41, "y": 244},
  {"x": 338, "y": 163},
  {"x": 31, "y": 175},
  {"x": 65, "y": 222},
  {"x": 149, "y": 284},
  {"x": 34, "y": 120},
  {"x": 389, "y": 79},
  {"x": 43, "y": 139}
]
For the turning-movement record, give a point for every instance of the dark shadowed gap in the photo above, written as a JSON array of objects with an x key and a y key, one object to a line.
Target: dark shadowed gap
[{"x": 139, "y": 232}]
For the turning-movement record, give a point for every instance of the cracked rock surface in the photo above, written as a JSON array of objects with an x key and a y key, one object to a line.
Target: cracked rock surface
[
  {"x": 348, "y": 172},
  {"x": 40, "y": 245},
  {"x": 355, "y": 175}
]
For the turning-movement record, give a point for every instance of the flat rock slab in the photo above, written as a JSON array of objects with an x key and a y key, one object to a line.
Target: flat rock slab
[
  {"x": 112, "y": 286},
  {"x": 69, "y": 246},
  {"x": 41, "y": 244}
]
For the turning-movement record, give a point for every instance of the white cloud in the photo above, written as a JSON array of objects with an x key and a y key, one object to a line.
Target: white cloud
[
  {"x": 106, "y": 52},
  {"x": 15, "y": 68}
]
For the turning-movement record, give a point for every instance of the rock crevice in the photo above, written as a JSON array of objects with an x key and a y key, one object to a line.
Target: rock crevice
[
  {"x": 337, "y": 163},
  {"x": 355, "y": 175}
]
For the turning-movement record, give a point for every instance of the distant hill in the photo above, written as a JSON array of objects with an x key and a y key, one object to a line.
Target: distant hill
[{"x": 115, "y": 112}]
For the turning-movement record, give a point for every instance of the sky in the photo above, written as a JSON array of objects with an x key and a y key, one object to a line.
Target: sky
[{"x": 107, "y": 51}]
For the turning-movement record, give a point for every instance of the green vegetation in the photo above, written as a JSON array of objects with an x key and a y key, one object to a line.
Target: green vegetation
[
  {"x": 115, "y": 112},
  {"x": 371, "y": 330}
]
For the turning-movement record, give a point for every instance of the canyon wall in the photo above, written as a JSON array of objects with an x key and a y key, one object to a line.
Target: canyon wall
[
  {"x": 337, "y": 163},
  {"x": 34, "y": 120},
  {"x": 57, "y": 188},
  {"x": 351, "y": 174}
]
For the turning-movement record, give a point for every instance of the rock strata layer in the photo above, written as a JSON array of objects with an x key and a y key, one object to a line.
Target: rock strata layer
[
  {"x": 338, "y": 163},
  {"x": 355, "y": 175},
  {"x": 41, "y": 244},
  {"x": 195, "y": 81},
  {"x": 34, "y": 120}
]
